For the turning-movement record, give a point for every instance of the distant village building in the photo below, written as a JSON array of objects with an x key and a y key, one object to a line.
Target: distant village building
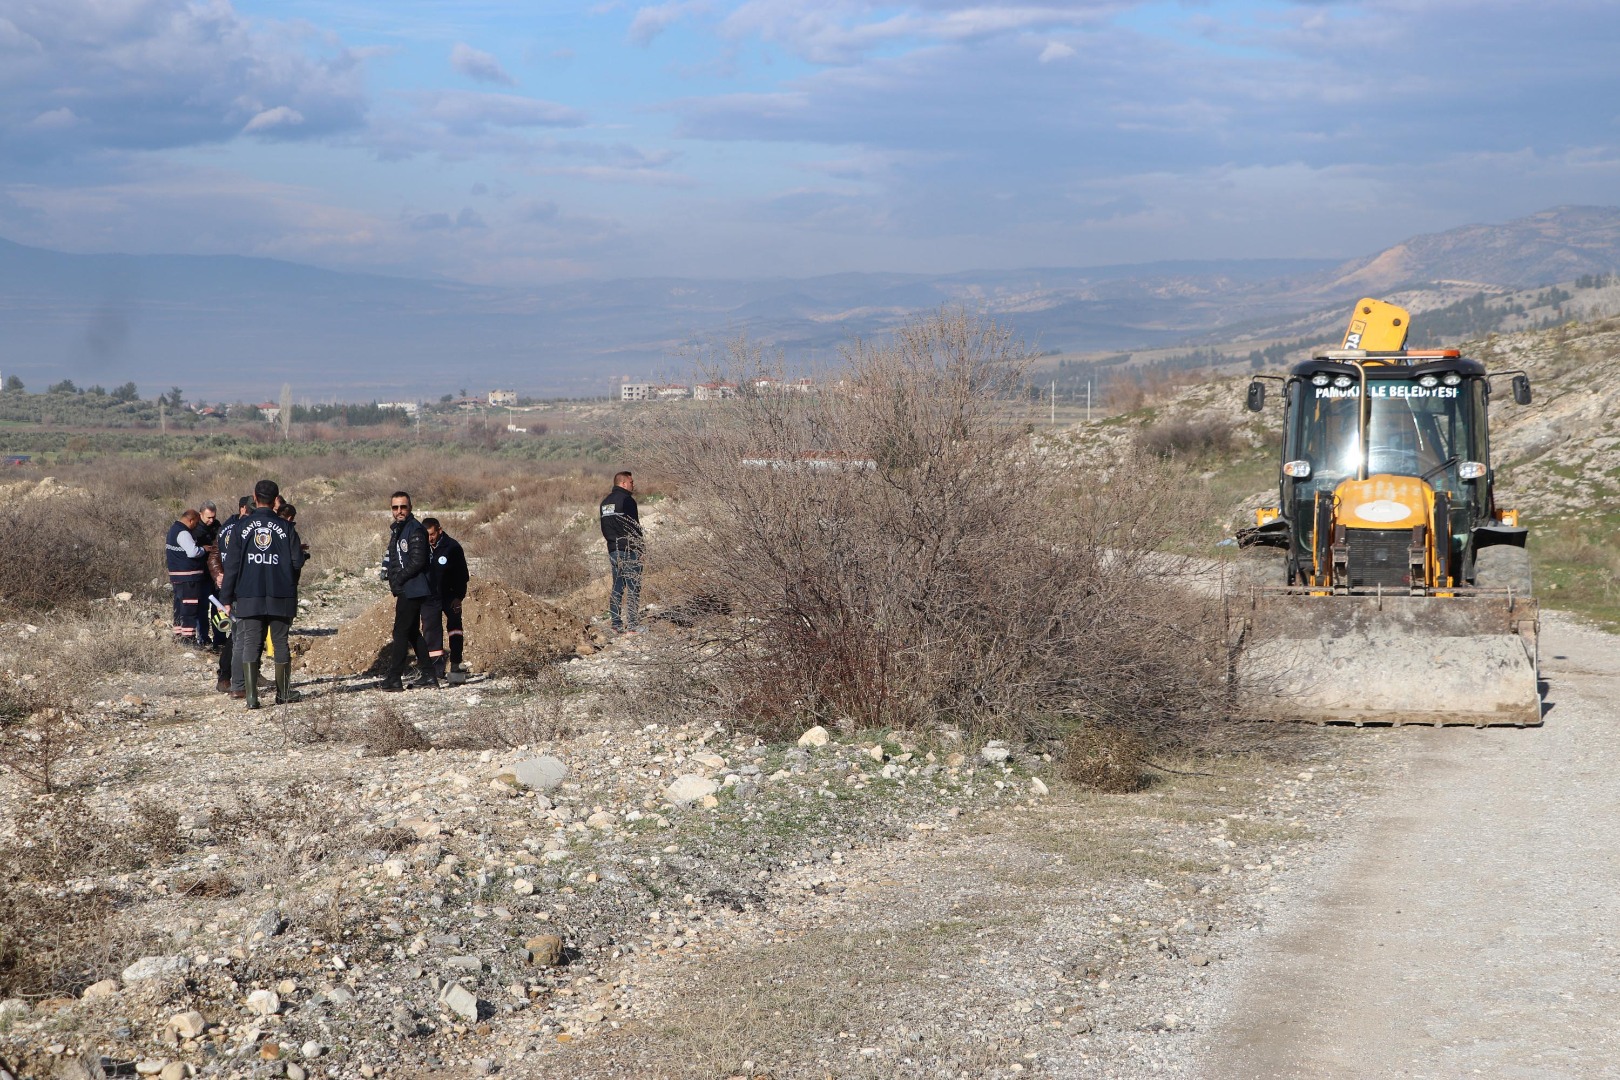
[
  {"x": 407, "y": 407},
  {"x": 715, "y": 391},
  {"x": 503, "y": 397},
  {"x": 270, "y": 410},
  {"x": 671, "y": 391},
  {"x": 634, "y": 391},
  {"x": 781, "y": 386}
]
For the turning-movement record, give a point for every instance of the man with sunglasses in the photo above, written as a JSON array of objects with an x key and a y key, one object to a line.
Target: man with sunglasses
[{"x": 405, "y": 568}]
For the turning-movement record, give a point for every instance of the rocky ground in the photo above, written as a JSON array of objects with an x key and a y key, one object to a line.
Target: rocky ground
[{"x": 574, "y": 875}]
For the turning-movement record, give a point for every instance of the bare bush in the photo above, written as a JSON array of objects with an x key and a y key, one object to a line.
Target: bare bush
[
  {"x": 542, "y": 717},
  {"x": 1187, "y": 438},
  {"x": 94, "y": 643},
  {"x": 72, "y": 547},
  {"x": 536, "y": 555},
  {"x": 54, "y": 942},
  {"x": 38, "y": 733},
  {"x": 384, "y": 731},
  {"x": 66, "y": 838},
  {"x": 318, "y": 721},
  {"x": 893, "y": 554}
]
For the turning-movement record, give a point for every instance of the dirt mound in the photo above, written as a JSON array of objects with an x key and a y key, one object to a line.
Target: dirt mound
[{"x": 497, "y": 620}]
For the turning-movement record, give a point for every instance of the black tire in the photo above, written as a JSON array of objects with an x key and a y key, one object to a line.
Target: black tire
[{"x": 1503, "y": 567}]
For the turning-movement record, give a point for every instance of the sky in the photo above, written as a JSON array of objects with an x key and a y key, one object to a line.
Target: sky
[{"x": 522, "y": 143}]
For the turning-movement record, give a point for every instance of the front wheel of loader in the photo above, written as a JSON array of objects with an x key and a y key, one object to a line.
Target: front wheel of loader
[{"x": 1503, "y": 567}]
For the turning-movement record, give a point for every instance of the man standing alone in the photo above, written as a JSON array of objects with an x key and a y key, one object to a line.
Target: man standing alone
[
  {"x": 261, "y": 590},
  {"x": 621, "y": 528},
  {"x": 405, "y": 569}
]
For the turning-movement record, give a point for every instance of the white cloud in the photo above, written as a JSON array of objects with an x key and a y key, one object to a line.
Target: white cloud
[
  {"x": 270, "y": 119},
  {"x": 54, "y": 119},
  {"x": 479, "y": 65},
  {"x": 467, "y": 112},
  {"x": 152, "y": 74},
  {"x": 651, "y": 21},
  {"x": 1056, "y": 50}
]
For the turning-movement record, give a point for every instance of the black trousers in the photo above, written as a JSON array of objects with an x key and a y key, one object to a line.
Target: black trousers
[
  {"x": 438, "y": 615},
  {"x": 408, "y": 636}
]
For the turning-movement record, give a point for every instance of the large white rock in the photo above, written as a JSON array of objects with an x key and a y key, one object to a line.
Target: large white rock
[
  {"x": 154, "y": 967},
  {"x": 537, "y": 773},
  {"x": 816, "y": 736},
  {"x": 459, "y": 1000},
  {"x": 690, "y": 788}
]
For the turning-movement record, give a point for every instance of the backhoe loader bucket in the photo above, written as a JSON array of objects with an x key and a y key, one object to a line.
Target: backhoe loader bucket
[{"x": 1468, "y": 657}]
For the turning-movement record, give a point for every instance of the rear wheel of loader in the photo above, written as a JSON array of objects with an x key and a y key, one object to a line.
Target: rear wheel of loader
[{"x": 1503, "y": 567}]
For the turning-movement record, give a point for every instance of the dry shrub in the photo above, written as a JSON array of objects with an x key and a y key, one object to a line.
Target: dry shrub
[
  {"x": 66, "y": 838},
  {"x": 1106, "y": 758},
  {"x": 384, "y": 731},
  {"x": 38, "y": 733},
  {"x": 57, "y": 942},
  {"x": 899, "y": 557},
  {"x": 313, "y": 722},
  {"x": 537, "y": 555},
  {"x": 74, "y": 547},
  {"x": 538, "y": 720},
  {"x": 97, "y": 642},
  {"x": 1187, "y": 438}
]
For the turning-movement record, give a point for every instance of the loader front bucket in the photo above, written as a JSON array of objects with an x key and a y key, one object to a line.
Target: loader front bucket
[{"x": 1468, "y": 658}]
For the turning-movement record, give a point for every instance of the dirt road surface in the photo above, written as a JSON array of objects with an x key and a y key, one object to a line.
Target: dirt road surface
[{"x": 1471, "y": 926}]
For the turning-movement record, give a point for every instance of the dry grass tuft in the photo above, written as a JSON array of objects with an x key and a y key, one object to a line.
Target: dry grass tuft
[{"x": 1106, "y": 759}]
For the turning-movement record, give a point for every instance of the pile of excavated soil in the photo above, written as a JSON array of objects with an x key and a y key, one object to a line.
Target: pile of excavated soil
[{"x": 496, "y": 620}]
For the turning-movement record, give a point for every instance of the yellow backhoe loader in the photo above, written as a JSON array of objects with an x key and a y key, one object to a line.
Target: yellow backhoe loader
[{"x": 1406, "y": 593}]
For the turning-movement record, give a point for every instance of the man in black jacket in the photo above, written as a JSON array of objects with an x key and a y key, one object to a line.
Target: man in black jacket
[
  {"x": 230, "y": 656},
  {"x": 405, "y": 569},
  {"x": 206, "y": 533},
  {"x": 621, "y": 528},
  {"x": 447, "y": 575},
  {"x": 261, "y": 590}
]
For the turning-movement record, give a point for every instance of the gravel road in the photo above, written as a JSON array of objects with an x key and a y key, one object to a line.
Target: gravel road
[{"x": 1471, "y": 922}]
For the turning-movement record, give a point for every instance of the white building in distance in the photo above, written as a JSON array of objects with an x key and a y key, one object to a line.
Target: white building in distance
[
  {"x": 503, "y": 397},
  {"x": 635, "y": 391}
]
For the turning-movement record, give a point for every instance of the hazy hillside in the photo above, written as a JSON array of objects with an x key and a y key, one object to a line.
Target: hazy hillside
[{"x": 229, "y": 327}]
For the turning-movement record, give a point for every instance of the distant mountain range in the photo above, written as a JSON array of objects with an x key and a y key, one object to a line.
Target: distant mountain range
[{"x": 225, "y": 327}]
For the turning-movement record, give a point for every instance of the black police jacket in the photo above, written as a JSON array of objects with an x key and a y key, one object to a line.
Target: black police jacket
[
  {"x": 261, "y": 567},
  {"x": 621, "y": 523},
  {"x": 447, "y": 569},
  {"x": 405, "y": 564}
]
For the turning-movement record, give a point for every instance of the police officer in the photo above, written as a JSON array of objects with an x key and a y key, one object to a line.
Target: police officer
[
  {"x": 230, "y": 656},
  {"x": 188, "y": 567},
  {"x": 621, "y": 528},
  {"x": 405, "y": 569},
  {"x": 447, "y": 574},
  {"x": 261, "y": 575},
  {"x": 206, "y": 533}
]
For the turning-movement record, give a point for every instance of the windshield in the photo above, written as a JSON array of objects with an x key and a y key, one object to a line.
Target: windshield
[{"x": 1412, "y": 430}]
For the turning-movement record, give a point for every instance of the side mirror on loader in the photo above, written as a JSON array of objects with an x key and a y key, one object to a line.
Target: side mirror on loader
[
  {"x": 1257, "y": 395},
  {"x": 1521, "y": 389}
]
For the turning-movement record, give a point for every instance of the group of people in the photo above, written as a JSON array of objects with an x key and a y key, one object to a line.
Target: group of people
[{"x": 236, "y": 581}]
